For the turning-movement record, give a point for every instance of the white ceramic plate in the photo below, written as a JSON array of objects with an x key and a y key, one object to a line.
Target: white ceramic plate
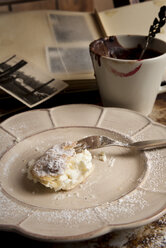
[{"x": 128, "y": 190}]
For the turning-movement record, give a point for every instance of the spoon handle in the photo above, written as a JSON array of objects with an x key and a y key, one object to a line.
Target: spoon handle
[
  {"x": 95, "y": 142},
  {"x": 145, "y": 48},
  {"x": 155, "y": 28},
  {"x": 149, "y": 144}
]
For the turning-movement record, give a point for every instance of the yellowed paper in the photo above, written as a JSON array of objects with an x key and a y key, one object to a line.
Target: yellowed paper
[{"x": 132, "y": 19}]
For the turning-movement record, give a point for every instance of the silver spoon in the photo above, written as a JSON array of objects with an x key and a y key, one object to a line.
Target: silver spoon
[
  {"x": 155, "y": 28},
  {"x": 94, "y": 142}
]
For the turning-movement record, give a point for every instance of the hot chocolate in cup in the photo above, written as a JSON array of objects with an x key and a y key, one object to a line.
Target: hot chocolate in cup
[{"x": 123, "y": 79}]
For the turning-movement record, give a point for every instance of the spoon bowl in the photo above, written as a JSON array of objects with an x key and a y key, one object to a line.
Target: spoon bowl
[{"x": 95, "y": 142}]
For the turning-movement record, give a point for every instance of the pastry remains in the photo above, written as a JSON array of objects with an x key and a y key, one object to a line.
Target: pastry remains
[{"x": 61, "y": 168}]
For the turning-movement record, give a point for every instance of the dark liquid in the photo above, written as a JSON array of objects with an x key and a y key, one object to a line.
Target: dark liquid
[
  {"x": 110, "y": 47},
  {"x": 134, "y": 53}
]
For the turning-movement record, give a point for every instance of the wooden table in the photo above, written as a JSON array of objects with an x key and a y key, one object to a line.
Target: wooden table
[{"x": 149, "y": 236}]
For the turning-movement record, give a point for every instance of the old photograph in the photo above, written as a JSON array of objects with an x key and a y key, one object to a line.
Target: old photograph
[
  {"x": 69, "y": 60},
  {"x": 70, "y": 28},
  {"x": 26, "y": 82}
]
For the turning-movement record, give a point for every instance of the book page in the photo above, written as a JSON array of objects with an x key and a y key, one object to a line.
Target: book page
[
  {"x": 72, "y": 32},
  {"x": 132, "y": 19}
]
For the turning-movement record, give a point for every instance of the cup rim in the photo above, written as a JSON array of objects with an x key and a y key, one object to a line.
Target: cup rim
[{"x": 127, "y": 60}]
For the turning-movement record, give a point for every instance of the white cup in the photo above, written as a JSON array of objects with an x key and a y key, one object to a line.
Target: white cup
[{"x": 132, "y": 84}]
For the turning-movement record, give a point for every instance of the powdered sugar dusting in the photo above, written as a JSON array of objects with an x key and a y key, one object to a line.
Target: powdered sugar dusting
[
  {"x": 124, "y": 207},
  {"x": 156, "y": 181},
  {"x": 156, "y": 167},
  {"x": 11, "y": 211},
  {"x": 53, "y": 162},
  {"x": 107, "y": 213},
  {"x": 67, "y": 217}
]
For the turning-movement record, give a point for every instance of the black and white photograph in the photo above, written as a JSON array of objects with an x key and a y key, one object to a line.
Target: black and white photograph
[
  {"x": 67, "y": 55},
  {"x": 70, "y": 28},
  {"x": 69, "y": 60},
  {"x": 26, "y": 82}
]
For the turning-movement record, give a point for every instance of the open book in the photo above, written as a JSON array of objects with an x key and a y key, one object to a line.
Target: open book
[
  {"x": 72, "y": 32},
  {"x": 57, "y": 42}
]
